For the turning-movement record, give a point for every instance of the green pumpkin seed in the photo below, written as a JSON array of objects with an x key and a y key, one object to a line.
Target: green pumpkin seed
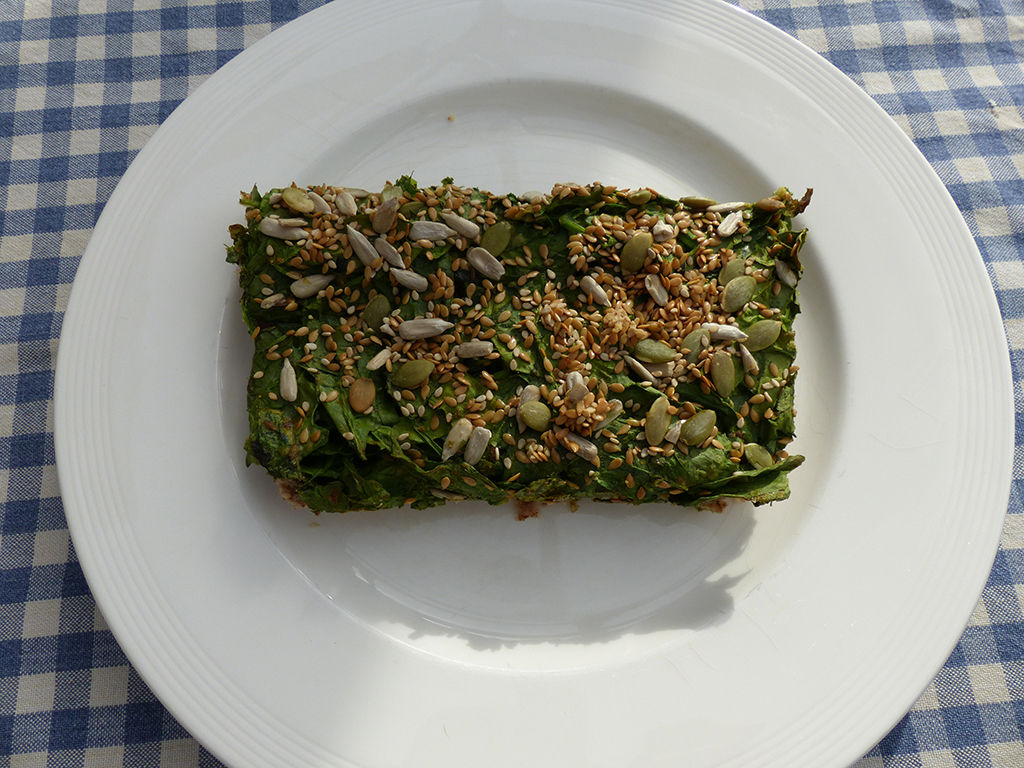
[
  {"x": 697, "y": 202},
  {"x": 762, "y": 334},
  {"x": 536, "y": 415},
  {"x": 695, "y": 341},
  {"x": 738, "y": 292},
  {"x": 757, "y": 455},
  {"x": 496, "y": 237},
  {"x": 651, "y": 351},
  {"x": 640, "y": 197},
  {"x": 723, "y": 373},
  {"x": 771, "y": 204},
  {"x": 376, "y": 310},
  {"x": 298, "y": 200},
  {"x": 634, "y": 252},
  {"x": 361, "y": 395},
  {"x": 734, "y": 268},
  {"x": 391, "y": 192},
  {"x": 409, "y": 210},
  {"x": 657, "y": 421},
  {"x": 698, "y": 428},
  {"x": 412, "y": 373}
]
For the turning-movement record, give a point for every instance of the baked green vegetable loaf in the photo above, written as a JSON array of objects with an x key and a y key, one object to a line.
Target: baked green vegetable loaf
[{"x": 425, "y": 344}]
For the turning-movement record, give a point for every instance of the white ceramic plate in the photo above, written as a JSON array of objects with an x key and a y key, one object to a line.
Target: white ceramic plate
[{"x": 615, "y": 636}]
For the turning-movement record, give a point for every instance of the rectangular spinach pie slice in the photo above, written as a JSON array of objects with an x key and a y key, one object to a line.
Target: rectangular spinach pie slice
[{"x": 424, "y": 344}]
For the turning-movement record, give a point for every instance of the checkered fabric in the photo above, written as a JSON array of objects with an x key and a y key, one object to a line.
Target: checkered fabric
[{"x": 84, "y": 84}]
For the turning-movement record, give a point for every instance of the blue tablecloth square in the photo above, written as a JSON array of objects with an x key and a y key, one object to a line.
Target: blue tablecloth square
[
  {"x": 1009, "y": 641},
  {"x": 18, "y": 516},
  {"x": 230, "y": 14},
  {"x": 14, "y": 583},
  {"x": 10, "y": 657},
  {"x": 69, "y": 729},
  {"x": 29, "y": 450},
  {"x": 143, "y": 722},
  {"x": 74, "y": 651}
]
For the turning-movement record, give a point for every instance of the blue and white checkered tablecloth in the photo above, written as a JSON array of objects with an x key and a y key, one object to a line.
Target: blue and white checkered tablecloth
[{"x": 84, "y": 84}]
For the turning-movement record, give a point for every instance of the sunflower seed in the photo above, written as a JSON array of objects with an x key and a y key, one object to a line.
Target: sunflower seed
[
  {"x": 726, "y": 207},
  {"x": 475, "y": 348},
  {"x": 388, "y": 252},
  {"x": 656, "y": 421},
  {"x": 414, "y": 281},
  {"x": 289, "y": 382},
  {"x": 785, "y": 273},
  {"x": 384, "y": 217},
  {"x": 575, "y": 386},
  {"x": 672, "y": 434},
  {"x": 273, "y": 300},
  {"x": 611, "y": 415},
  {"x": 594, "y": 291},
  {"x": 274, "y": 228},
  {"x": 430, "y": 230},
  {"x": 661, "y": 370},
  {"x": 640, "y": 369},
  {"x": 476, "y": 445},
  {"x": 485, "y": 263},
  {"x": 749, "y": 363},
  {"x": 362, "y": 394},
  {"x": 366, "y": 252},
  {"x": 447, "y": 495},
  {"x": 310, "y": 285},
  {"x": 378, "y": 360},
  {"x": 533, "y": 196},
  {"x": 423, "y": 328},
  {"x": 656, "y": 289},
  {"x": 662, "y": 232},
  {"x": 730, "y": 224},
  {"x": 724, "y": 332},
  {"x": 298, "y": 200},
  {"x": 457, "y": 437},
  {"x": 345, "y": 203},
  {"x": 584, "y": 448},
  {"x": 529, "y": 394},
  {"x": 319, "y": 204},
  {"x": 468, "y": 229}
]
